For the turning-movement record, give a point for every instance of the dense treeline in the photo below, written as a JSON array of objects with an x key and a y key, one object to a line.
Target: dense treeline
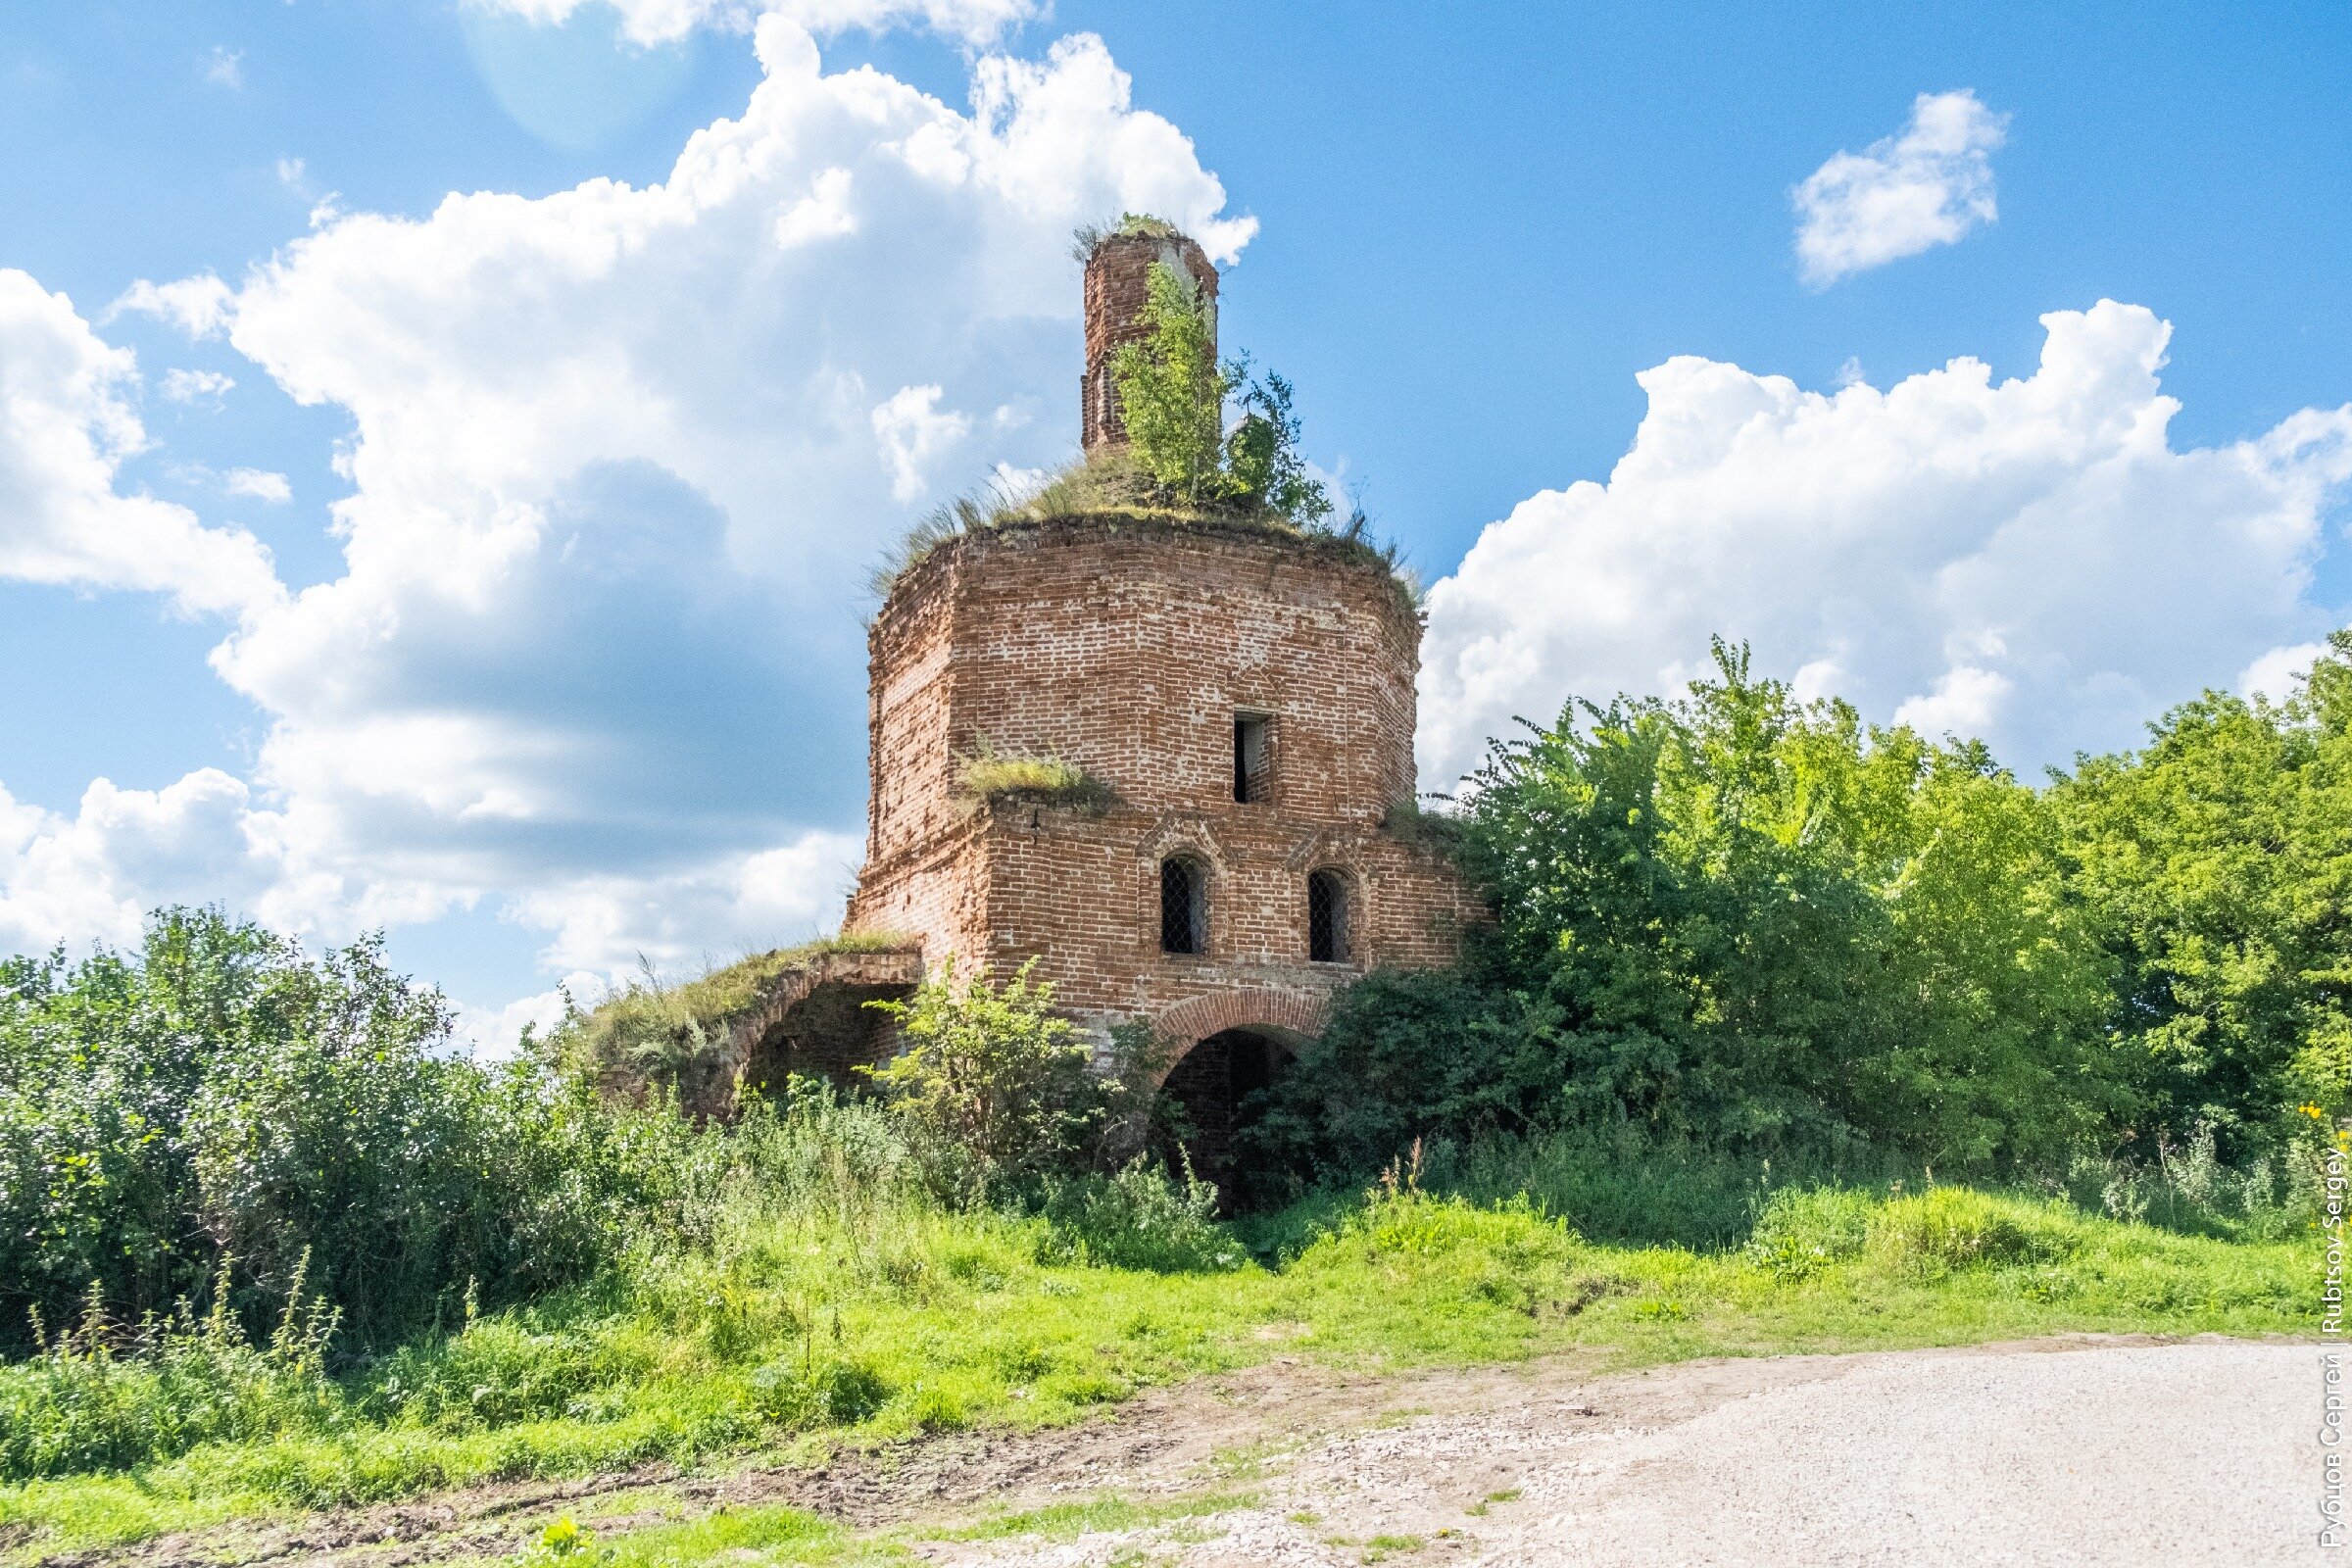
[{"x": 1745, "y": 922}]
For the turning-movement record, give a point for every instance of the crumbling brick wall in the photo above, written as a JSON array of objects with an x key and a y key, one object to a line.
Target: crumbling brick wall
[
  {"x": 1117, "y": 285},
  {"x": 1128, "y": 646}
]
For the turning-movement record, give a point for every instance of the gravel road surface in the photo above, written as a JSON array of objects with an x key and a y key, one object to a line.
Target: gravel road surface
[{"x": 2052, "y": 1452}]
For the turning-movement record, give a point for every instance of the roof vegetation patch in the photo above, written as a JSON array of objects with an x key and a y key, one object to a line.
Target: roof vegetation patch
[
  {"x": 1088, "y": 237},
  {"x": 1107, "y": 487},
  {"x": 989, "y": 775},
  {"x": 660, "y": 1032}
]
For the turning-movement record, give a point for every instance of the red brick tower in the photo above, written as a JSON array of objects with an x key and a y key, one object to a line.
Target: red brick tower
[
  {"x": 1117, "y": 283},
  {"x": 1245, "y": 693}
]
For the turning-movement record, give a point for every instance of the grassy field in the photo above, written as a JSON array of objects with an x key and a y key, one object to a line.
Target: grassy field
[{"x": 797, "y": 1335}]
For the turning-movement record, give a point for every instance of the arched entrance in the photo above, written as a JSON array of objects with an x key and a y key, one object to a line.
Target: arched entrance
[
  {"x": 1206, "y": 1103},
  {"x": 1229, "y": 1046}
]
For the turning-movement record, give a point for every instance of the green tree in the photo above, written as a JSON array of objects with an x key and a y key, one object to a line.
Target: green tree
[
  {"x": 2217, "y": 865},
  {"x": 1261, "y": 453},
  {"x": 993, "y": 1086},
  {"x": 1172, "y": 391}
]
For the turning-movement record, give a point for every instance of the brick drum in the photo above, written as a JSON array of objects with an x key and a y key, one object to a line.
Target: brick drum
[
  {"x": 1118, "y": 274},
  {"x": 1129, "y": 647}
]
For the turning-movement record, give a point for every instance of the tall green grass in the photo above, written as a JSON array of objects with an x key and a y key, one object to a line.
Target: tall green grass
[{"x": 830, "y": 1302}]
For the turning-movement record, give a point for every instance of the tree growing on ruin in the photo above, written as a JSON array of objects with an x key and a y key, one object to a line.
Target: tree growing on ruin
[{"x": 1172, "y": 391}]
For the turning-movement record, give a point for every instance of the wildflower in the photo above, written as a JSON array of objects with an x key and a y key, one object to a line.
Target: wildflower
[{"x": 562, "y": 1539}]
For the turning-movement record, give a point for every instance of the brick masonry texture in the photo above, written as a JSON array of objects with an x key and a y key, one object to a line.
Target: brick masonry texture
[
  {"x": 1128, "y": 646},
  {"x": 1117, "y": 285}
]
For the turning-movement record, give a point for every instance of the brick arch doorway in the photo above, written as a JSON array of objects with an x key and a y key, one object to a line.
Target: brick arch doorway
[{"x": 1226, "y": 1050}]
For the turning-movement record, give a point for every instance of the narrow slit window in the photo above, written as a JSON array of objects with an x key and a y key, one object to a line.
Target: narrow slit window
[
  {"x": 1249, "y": 781},
  {"x": 1327, "y": 918},
  {"x": 1182, "y": 904}
]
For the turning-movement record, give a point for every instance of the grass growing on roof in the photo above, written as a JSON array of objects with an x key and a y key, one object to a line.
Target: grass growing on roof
[
  {"x": 992, "y": 775},
  {"x": 1106, "y": 487},
  {"x": 659, "y": 1031},
  {"x": 1088, "y": 239}
]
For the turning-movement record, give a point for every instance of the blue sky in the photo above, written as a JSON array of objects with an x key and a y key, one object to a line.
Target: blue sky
[{"x": 491, "y": 574}]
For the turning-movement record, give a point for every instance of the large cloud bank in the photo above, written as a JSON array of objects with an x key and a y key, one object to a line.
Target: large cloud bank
[
  {"x": 619, "y": 461},
  {"x": 2029, "y": 561}
]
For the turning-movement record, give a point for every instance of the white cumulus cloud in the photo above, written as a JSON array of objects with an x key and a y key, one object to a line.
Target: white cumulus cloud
[
  {"x": 1927, "y": 185},
  {"x": 94, "y": 875},
  {"x": 914, "y": 431},
  {"x": 699, "y": 914},
  {"x": 258, "y": 483},
  {"x": 66, "y": 426},
  {"x": 494, "y": 1033},
  {"x": 2030, "y": 561},
  {"x": 198, "y": 306},
  {"x": 2276, "y": 675},
  {"x": 615, "y": 476}
]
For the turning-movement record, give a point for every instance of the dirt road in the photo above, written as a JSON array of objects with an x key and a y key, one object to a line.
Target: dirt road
[
  {"x": 2086, "y": 1451},
  {"x": 2056, "y": 1453}
]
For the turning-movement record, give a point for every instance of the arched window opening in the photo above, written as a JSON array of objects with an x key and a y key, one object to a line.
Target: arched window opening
[
  {"x": 1182, "y": 904},
  {"x": 1327, "y": 918}
]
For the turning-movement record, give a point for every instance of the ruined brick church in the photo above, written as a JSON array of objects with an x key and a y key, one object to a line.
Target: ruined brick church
[{"x": 1247, "y": 694}]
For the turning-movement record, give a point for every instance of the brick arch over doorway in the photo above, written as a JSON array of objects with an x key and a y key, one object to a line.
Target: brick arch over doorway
[
  {"x": 1291, "y": 1017},
  {"x": 1222, "y": 1049}
]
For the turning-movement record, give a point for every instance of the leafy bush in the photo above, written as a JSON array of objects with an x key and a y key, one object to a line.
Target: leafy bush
[
  {"x": 806, "y": 1391},
  {"x": 1406, "y": 1057},
  {"x": 2270, "y": 1198},
  {"x": 221, "y": 1095},
  {"x": 96, "y": 1398},
  {"x": 993, "y": 1087},
  {"x": 497, "y": 1372},
  {"x": 1139, "y": 1217},
  {"x": 1802, "y": 1229},
  {"x": 1625, "y": 1185},
  {"x": 1510, "y": 1255}
]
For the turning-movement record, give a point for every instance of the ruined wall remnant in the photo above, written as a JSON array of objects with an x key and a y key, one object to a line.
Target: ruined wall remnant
[{"x": 1117, "y": 285}]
